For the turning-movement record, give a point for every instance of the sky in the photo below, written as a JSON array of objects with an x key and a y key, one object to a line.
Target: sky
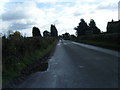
[
  {"x": 22, "y": 15},
  {"x": 119, "y": 10}
]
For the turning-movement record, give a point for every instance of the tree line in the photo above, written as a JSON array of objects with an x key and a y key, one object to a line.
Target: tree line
[
  {"x": 35, "y": 33},
  {"x": 84, "y": 29},
  {"x": 53, "y": 33}
]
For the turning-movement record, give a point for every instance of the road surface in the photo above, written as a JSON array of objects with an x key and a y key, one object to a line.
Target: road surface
[{"x": 75, "y": 65}]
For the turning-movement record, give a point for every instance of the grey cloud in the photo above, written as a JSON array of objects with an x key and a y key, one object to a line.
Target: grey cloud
[
  {"x": 108, "y": 6},
  {"x": 16, "y": 11},
  {"x": 13, "y": 15},
  {"x": 20, "y": 26},
  {"x": 77, "y": 14}
]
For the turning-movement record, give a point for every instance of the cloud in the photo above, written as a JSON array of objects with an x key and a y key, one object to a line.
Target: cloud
[
  {"x": 25, "y": 10},
  {"x": 22, "y": 16},
  {"x": 2, "y": 3},
  {"x": 20, "y": 26},
  {"x": 108, "y": 6},
  {"x": 13, "y": 15},
  {"x": 65, "y": 14}
]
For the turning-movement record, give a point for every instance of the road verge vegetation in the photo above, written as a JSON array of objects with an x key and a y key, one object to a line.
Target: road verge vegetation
[
  {"x": 110, "y": 41},
  {"x": 19, "y": 53}
]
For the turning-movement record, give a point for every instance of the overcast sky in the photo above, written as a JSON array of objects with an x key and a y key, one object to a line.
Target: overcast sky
[{"x": 22, "y": 15}]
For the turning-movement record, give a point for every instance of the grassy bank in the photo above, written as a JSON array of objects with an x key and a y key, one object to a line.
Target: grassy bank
[
  {"x": 18, "y": 53},
  {"x": 110, "y": 41},
  {"x": 102, "y": 44}
]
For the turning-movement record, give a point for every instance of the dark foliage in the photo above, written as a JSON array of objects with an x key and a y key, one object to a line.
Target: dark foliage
[
  {"x": 66, "y": 36},
  {"x": 46, "y": 33},
  {"x": 15, "y": 35},
  {"x": 3, "y": 36},
  {"x": 109, "y": 38},
  {"x": 84, "y": 29},
  {"x": 54, "y": 32},
  {"x": 36, "y": 32},
  {"x": 93, "y": 27},
  {"x": 81, "y": 28},
  {"x": 17, "y": 53},
  {"x": 105, "y": 40}
]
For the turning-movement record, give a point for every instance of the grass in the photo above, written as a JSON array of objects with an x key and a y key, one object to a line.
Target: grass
[
  {"x": 109, "y": 41},
  {"x": 14, "y": 61},
  {"x": 102, "y": 44}
]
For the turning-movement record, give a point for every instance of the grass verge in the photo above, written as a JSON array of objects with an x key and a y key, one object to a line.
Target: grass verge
[
  {"x": 107, "y": 40},
  {"x": 107, "y": 45},
  {"x": 16, "y": 68}
]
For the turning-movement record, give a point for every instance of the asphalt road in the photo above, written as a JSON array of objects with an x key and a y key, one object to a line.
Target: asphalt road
[{"x": 75, "y": 65}]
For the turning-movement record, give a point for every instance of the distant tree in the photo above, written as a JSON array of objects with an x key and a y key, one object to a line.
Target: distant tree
[
  {"x": 81, "y": 28},
  {"x": 60, "y": 36},
  {"x": 72, "y": 36},
  {"x": 46, "y": 33},
  {"x": 54, "y": 32},
  {"x": 4, "y": 36},
  {"x": 16, "y": 34},
  {"x": 36, "y": 32},
  {"x": 66, "y": 36},
  {"x": 93, "y": 27}
]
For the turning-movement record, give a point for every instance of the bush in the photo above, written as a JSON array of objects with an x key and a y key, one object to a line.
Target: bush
[
  {"x": 110, "y": 38},
  {"x": 17, "y": 53},
  {"x": 110, "y": 41}
]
